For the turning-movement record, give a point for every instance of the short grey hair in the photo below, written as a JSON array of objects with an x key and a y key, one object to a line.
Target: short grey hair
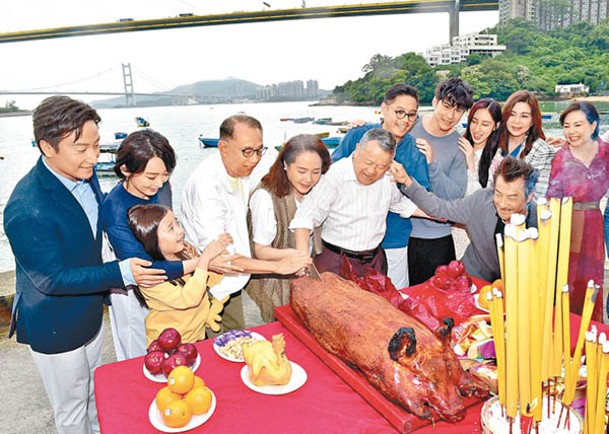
[{"x": 384, "y": 139}]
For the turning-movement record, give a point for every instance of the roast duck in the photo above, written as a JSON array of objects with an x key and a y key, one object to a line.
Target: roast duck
[{"x": 397, "y": 354}]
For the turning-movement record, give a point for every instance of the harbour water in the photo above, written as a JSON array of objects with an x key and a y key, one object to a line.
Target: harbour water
[{"x": 182, "y": 125}]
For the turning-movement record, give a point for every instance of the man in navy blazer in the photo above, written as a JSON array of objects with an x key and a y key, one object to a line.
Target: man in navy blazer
[{"x": 51, "y": 223}]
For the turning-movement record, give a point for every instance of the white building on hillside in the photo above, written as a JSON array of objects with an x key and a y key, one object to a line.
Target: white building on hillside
[{"x": 462, "y": 46}]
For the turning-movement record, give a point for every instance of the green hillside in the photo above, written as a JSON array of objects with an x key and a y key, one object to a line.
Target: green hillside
[{"x": 534, "y": 60}]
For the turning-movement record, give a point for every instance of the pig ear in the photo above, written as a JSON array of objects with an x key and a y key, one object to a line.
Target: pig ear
[
  {"x": 403, "y": 343},
  {"x": 444, "y": 333}
]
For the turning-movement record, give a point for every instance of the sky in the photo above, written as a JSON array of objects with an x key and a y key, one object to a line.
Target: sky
[{"x": 331, "y": 50}]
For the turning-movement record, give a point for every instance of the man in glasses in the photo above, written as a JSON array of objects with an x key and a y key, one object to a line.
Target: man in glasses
[
  {"x": 399, "y": 111},
  {"x": 215, "y": 200},
  {"x": 431, "y": 242}
]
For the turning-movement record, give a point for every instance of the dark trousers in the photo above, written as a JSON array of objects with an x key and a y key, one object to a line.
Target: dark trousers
[
  {"x": 330, "y": 260},
  {"x": 424, "y": 255}
]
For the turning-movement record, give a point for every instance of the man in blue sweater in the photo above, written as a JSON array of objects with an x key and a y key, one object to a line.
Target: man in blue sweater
[{"x": 399, "y": 111}]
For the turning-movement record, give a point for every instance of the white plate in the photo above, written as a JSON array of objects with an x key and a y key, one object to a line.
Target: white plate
[
  {"x": 299, "y": 377},
  {"x": 483, "y": 309},
  {"x": 162, "y": 378},
  {"x": 154, "y": 415},
  {"x": 236, "y": 359}
]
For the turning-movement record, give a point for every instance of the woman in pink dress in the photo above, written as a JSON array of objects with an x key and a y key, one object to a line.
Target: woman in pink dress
[{"x": 580, "y": 170}]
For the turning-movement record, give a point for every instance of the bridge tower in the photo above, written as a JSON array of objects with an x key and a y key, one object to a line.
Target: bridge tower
[
  {"x": 453, "y": 14},
  {"x": 128, "y": 83}
]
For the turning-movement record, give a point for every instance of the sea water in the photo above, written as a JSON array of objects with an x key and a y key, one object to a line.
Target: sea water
[{"x": 182, "y": 125}]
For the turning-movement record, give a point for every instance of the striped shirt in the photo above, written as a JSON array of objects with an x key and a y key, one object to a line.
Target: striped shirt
[{"x": 353, "y": 215}]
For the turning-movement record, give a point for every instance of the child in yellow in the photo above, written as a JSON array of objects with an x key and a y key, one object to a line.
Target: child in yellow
[{"x": 184, "y": 303}]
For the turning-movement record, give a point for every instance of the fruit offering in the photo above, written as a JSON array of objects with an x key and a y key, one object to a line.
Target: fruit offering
[
  {"x": 452, "y": 277},
  {"x": 168, "y": 352},
  {"x": 184, "y": 396}
]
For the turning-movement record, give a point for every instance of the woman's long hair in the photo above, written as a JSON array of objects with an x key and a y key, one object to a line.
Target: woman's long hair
[
  {"x": 276, "y": 180},
  {"x": 144, "y": 223},
  {"x": 490, "y": 148},
  {"x": 534, "y": 133}
]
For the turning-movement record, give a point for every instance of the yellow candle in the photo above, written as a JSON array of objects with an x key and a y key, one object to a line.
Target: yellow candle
[
  {"x": 566, "y": 340},
  {"x": 546, "y": 302},
  {"x": 562, "y": 273},
  {"x": 601, "y": 393},
  {"x": 500, "y": 254},
  {"x": 524, "y": 303},
  {"x": 591, "y": 385},
  {"x": 535, "y": 329},
  {"x": 511, "y": 321},
  {"x": 499, "y": 338},
  {"x": 554, "y": 362}
]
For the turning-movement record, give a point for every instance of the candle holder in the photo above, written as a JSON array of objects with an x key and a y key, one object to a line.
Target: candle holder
[{"x": 494, "y": 420}]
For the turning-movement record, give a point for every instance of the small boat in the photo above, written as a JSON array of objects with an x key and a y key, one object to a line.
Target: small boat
[
  {"x": 322, "y": 121},
  {"x": 338, "y": 123},
  {"x": 120, "y": 136},
  {"x": 302, "y": 120},
  {"x": 342, "y": 130},
  {"x": 322, "y": 135},
  {"x": 141, "y": 122},
  {"x": 107, "y": 158},
  {"x": 331, "y": 142},
  {"x": 208, "y": 142},
  {"x": 286, "y": 119}
]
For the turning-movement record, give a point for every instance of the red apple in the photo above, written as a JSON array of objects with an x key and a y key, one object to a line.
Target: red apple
[
  {"x": 455, "y": 269},
  {"x": 441, "y": 271},
  {"x": 440, "y": 282},
  {"x": 154, "y": 346},
  {"x": 154, "y": 362},
  {"x": 172, "y": 361},
  {"x": 189, "y": 351},
  {"x": 169, "y": 339},
  {"x": 463, "y": 283}
]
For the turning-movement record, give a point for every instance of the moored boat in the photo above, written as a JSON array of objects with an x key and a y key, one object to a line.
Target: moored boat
[
  {"x": 208, "y": 142},
  {"x": 141, "y": 122}
]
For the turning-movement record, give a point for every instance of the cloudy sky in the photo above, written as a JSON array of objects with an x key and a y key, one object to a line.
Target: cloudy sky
[{"x": 330, "y": 50}]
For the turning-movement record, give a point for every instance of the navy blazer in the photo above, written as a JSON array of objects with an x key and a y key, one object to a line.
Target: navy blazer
[{"x": 61, "y": 278}]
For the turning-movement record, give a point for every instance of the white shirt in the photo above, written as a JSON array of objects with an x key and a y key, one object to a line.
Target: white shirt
[
  {"x": 214, "y": 203},
  {"x": 353, "y": 215}
]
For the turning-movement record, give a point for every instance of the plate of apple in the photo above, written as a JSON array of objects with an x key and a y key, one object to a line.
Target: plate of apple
[{"x": 166, "y": 352}]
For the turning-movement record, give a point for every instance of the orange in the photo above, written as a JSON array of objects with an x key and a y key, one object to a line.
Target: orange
[
  {"x": 181, "y": 379},
  {"x": 482, "y": 301},
  {"x": 198, "y": 382},
  {"x": 164, "y": 397},
  {"x": 498, "y": 284},
  {"x": 199, "y": 399},
  {"x": 176, "y": 414}
]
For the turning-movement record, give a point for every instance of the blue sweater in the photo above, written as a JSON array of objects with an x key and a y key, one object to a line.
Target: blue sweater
[
  {"x": 113, "y": 220},
  {"x": 407, "y": 154}
]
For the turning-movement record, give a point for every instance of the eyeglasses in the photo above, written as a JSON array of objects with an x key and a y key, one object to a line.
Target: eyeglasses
[
  {"x": 401, "y": 114},
  {"x": 248, "y": 152}
]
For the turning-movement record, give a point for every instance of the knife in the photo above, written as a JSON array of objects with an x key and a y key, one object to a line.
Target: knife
[{"x": 314, "y": 272}]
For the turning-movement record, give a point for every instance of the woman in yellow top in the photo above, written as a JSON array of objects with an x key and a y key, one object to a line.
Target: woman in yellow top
[{"x": 183, "y": 303}]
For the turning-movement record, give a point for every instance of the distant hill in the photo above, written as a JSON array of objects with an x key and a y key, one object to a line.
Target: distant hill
[{"x": 208, "y": 91}]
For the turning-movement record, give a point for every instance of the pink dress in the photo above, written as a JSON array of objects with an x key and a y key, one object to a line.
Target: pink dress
[{"x": 586, "y": 185}]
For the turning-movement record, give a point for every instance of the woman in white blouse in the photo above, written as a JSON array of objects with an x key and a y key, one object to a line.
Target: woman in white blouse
[
  {"x": 479, "y": 144},
  {"x": 273, "y": 203}
]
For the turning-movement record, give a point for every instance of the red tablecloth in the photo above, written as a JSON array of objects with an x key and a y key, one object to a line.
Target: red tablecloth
[{"x": 325, "y": 404}]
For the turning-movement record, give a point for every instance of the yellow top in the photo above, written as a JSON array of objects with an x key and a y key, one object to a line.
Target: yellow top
[{"x": 184, "y": 308}]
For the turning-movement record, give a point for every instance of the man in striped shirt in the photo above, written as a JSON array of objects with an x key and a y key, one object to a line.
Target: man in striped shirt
[{"x": 352, "y": 201}]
